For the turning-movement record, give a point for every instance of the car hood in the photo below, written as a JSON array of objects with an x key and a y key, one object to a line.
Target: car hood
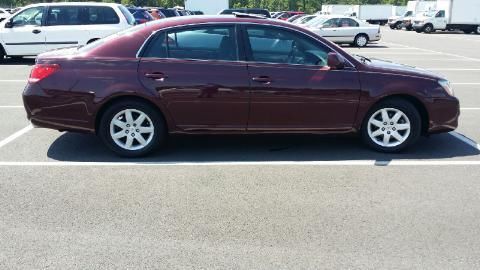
[{"x": 387, "y": 66}]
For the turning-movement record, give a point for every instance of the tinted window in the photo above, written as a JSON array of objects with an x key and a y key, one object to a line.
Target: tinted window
[
  {"x": 157, "y": 47},
  {"x": 168, "y": 13},
  {"x": 440, "y": 14},
  {"x": 204, "y": 43},
  {"x": 272, "y": 45},
  {"x": 80, "y": 15},
  {"x": 101, "y": 15},
  {"x": 31, "y": 16}
]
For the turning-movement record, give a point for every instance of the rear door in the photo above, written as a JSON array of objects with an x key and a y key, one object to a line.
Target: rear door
[
  {"x": 26, "y": 36},
  {"x": 196, "y": 74}
]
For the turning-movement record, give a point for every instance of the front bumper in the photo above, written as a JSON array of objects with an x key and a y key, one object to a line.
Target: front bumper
[{"x": 443, "y": 114}]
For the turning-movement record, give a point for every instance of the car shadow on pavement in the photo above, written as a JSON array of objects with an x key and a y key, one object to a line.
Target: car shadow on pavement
[{"x": 233, "y": 148}]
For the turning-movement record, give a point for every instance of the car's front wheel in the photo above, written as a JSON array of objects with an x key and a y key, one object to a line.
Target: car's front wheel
[
  {"x": 391, "y": 126},
  {"x": 132, "y": 128}
]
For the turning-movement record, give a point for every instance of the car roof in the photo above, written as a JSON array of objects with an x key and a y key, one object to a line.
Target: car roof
[
  {"x": 74, "y": 4},
  {"x": 203, "y": 19}
]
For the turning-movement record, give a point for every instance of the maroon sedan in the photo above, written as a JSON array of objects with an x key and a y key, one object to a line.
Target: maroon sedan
[{"x": 231, "y": 74}]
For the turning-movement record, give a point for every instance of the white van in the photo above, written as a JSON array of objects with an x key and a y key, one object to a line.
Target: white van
[{"x": 43, "y": 27}]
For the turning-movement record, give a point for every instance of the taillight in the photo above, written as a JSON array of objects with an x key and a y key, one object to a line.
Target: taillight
[{"x": 42, "y": 71}]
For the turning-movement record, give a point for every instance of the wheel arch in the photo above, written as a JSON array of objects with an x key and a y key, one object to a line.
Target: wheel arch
[
  {"x": 2, "y": 50},
  {"x": 117, "y": 99},
  {"x": 422, "y": 109}
]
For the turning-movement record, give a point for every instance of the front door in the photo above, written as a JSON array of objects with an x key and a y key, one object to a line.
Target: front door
[
  {"x": 25, "y": 36},
  {"x": 292, "y": 88},
  {"x": 196, "y": 74}
]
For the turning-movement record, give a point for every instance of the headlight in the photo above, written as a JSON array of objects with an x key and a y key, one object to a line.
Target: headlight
[{"x": 446, "y": 85}]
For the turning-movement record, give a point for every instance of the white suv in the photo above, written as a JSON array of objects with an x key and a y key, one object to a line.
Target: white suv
[{"x": 42, "y": 27}]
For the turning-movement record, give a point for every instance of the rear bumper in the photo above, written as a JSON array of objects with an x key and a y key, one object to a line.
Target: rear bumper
[{"x": 56, "y": 110}]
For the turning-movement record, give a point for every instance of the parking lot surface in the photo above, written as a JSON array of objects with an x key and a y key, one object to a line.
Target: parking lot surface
[{"x": 250, "y": 202}]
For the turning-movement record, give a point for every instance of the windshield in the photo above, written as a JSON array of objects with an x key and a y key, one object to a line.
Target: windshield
[{"x": 408, "y": 13}]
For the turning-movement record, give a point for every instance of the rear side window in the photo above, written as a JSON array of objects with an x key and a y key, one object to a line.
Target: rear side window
[
  {"x": 347, "y": 22},
  {"x": 199, "y": 43},
  {"x": 81, "y": 15}
]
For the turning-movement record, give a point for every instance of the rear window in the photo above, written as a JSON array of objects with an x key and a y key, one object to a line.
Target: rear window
[
  {"x": 81, "y": 15},
  {"x": 168, "y": 13}
]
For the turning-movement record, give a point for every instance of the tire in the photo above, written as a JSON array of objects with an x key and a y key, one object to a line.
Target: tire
[
  {"x": 427, "y": 29},
  {"x": 477, "y": 30},
  {"x": 361, "y": 40},
  {"x": 409, "y": 28},
  {"x": 469, "y": 31},
  {"x": 153, "y": 125},
  {"x": 398, "y": 26},
  {"x": 392, "y": 26},
  {"x": 409, "y": 117}
]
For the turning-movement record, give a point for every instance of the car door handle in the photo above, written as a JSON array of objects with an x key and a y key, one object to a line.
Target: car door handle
[
  {"x": 36, "y": 31},
  {"x": 157, "y": 76},
  {"x": 262, "y": 79}
]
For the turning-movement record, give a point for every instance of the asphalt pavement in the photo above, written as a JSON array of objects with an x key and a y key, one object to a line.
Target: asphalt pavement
[{"x": 248, "y": 202}]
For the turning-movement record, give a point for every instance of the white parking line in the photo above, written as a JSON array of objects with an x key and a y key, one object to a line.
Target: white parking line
[
  {"x": 24, "y": 81},
  {"x": 11, "y": 107},
  {"x": 15, "y": 135},
  {"x": 436, "y": 52},
  {"x": 453, "y": 69}
]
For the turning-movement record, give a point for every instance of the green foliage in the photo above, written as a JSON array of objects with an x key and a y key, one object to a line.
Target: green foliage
[{"x": 272, "y": 5}]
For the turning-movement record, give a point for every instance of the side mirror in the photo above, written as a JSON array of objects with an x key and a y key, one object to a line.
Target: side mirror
[
  {"x": 335, "y": 61},
  {"x": 9, "y": 24}
]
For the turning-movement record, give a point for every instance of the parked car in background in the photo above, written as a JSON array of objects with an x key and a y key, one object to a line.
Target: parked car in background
[
  {"x": 197, "y": 12},
  {"x": 396, "y": 22},
  {"x": 417, "y": 7},
  {"x": 141, "y": 15},
  {"x": 190, "y": 77},
  {"x": 42, "y": 27},
  {"x": 293, "y": 18},
  {"x": 257, "y": 11},
  {"x": 285, "y": 15},
  {"x": 169, "y": 12},
  {"x": 461, "y": 15},
  {"x": 4, "y": 14},
  {"x": 347, "y": 30},
  {"x": 304, "y": 19}
]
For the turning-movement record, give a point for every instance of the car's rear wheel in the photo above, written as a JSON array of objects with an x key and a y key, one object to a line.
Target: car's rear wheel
[
  {"x": 391, "y": 126},
  {"x": 132, "y": 128},
  {"x": 361, "y": 40},
  {"x": 477, "y": 30},
  {"x": 398, "y": 26}
]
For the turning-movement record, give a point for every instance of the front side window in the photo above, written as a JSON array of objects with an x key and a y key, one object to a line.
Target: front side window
[
  {"x": 331, "y": 23},
  {"x": 199, "y": 43},
  {"x": 440, "y": 14},
  {"x": 273, "y": 45},
  {"x": 31, "y": 16}
]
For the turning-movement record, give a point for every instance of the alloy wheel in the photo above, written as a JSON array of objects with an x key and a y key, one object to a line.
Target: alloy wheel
[
  {"x": 132, "y": 129},
  {"x": 389, "y": 127},
  {"x": 362, "y": 41}
]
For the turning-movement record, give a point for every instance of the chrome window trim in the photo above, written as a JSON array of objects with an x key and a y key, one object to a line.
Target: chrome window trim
[{"x": 351, "y": 65}]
